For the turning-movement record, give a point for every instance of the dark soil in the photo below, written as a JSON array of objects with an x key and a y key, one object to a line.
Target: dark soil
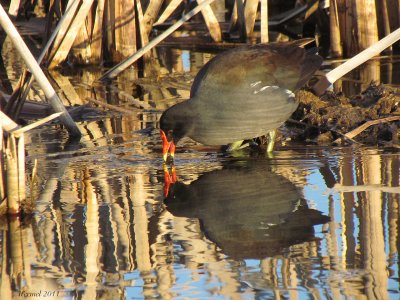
[{"x": 325, "y": 119}]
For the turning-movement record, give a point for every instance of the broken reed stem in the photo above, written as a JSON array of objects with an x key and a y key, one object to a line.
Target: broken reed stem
[
  {"x": 361, "y": 128},
  {"x": 46, "y": 48},
  {"x": 14, "y": 190},
  {"x": 250, "y": 14},
  {"x": 35, "y": 69},
  {"x": 65, "y": 40},
  {"x": 144, "y": 38},
  {"x": 12, "y": 177},
  {"x": 19, "y": 132},
  {"x": 12, "y": 103},
  {"x": 320, "y": 87},
  {"x": 211, "y": 22},
  {"x": 151, "y": 13},
  {"x": 322, "y": 128},
  {"x": 168, "y": 11},
  {"x": 10, "y": 180},
  {"x": 336, "y": 45}
]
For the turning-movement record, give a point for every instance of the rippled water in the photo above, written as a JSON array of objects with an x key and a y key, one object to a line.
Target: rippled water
[
  {"x": 304, "y": 223},
  {"x": 111, "y": 222}
]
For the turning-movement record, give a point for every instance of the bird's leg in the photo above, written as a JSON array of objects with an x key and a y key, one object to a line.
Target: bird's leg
[
  {"x": 271, "y": 142},
  {"x": 236, "y": 146}
]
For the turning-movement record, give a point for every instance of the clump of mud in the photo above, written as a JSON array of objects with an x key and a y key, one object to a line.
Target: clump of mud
[{"x": 326, "y": 119}]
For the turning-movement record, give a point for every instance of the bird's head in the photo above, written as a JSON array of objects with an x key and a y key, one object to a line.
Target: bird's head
[{"x": 172, "y": 129}]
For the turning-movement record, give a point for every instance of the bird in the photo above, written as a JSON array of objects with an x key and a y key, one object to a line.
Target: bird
[{"x": 240, "y": 94}]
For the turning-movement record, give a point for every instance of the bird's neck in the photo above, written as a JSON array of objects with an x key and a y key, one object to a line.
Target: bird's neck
[{"x": 183, "y": 115}]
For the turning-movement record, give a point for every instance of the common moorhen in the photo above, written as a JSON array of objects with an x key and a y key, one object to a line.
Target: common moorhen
[{"x": 240, "y": 94}]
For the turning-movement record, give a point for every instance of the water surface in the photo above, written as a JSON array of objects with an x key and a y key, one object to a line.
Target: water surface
[
  {"x": 304, "y": 223},
  {"x": 110, "y": 221}
]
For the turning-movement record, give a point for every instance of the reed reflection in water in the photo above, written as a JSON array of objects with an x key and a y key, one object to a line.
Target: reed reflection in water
[
  {"x": 236, "y": 228},
  {"x": 231, "y": 227}
]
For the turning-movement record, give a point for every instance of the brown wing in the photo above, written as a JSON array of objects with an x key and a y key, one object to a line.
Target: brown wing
[
  {"x": 277, "y": 64},
  {"x": 246, "y": 92}
]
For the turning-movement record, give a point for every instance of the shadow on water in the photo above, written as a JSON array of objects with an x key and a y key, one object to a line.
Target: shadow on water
[{"x": 246, "y": 209}]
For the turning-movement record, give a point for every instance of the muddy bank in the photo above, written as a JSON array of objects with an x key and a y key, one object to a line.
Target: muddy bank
[{"x": 329, "y": 119}]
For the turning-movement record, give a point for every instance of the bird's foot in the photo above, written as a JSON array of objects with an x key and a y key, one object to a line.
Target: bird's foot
[{"x": 237, "y": 146}]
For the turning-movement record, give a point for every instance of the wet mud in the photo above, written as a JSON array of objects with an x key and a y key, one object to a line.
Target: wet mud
[{"x": 325, "y": 120}]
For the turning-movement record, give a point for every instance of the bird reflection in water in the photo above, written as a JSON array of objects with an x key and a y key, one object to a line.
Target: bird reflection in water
[
  {"x": 170, "y": 177},
  {"x": 245, "y": 208}
]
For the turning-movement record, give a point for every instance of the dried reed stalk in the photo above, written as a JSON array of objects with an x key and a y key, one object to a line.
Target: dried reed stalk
[
  {"x": 168, "y": 11},
  {"x": 366, "y": 23},
  {"x": 61, "y": 24},
  {"x": 14, "y": 8},
  {"x": 13, "y": 201},
  {"x": 130, "y": 60},
  {"x": 15, "y": 190},
  {"x": 264, "y": 21},
  {"x": 385, "y": 18},
  {"x": 34, "y": 67},
  {"x": 355, "y": 61},
  {"x": 151, "y": 14},
  {"x": 211, "y": 22},
  {"x": 336, "y": 46},
  {"x": 361, "y": 128},
  {"x": 144, "y": 38},
  {"x": 96, "y": 38},
  {"x": 250, "y": 14},
  {"x": 68, "y": 39},
  {"x": 123, "y": 27},
  {"x": 81, "y": 49},
  {"x": 345, "y": 16},
  {"x": 64, "y": 24},
  {"x": 12, "y": 178}
]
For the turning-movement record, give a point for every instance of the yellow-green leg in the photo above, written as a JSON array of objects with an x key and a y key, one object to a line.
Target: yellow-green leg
[
  {"x": 271, "y": 142},
  {"x": 239, "y": 144},
  {"x": 235, "y": 146}
]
